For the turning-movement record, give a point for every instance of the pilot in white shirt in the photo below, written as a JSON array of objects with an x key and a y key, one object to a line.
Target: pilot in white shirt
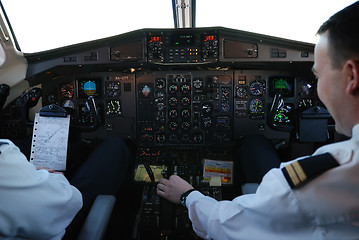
[
  {"x": 326, "y": 207},
  {"x": 297, "y": 200},
  {"x": 34, "y": 204}
]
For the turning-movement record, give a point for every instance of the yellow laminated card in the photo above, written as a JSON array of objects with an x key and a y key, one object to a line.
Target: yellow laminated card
[{"x": 216, "y": 168}]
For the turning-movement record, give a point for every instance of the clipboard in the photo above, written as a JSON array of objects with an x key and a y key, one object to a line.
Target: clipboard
[{"x": 50, "y": 138}]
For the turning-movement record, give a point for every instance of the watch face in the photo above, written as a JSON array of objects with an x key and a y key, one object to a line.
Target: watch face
[
  {"x": 183, "y": 200},
  {"x": 184, "y": 196}
]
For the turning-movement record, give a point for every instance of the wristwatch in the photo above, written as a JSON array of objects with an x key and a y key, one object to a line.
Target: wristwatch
[{"x": 184, "y": 196}]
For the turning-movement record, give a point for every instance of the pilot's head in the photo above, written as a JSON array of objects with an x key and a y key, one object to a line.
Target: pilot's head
[{"x": 336, "y": 65}]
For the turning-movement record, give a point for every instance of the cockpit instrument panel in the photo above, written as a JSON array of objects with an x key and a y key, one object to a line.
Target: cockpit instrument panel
[{"x": 89, "y": 87}]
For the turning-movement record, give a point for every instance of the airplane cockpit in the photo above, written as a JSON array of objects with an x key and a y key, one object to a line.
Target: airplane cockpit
[{"x": 181, "y": 97}]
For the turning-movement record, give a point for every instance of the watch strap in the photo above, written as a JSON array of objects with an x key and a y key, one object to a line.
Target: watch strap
[{"x": 184, "y": 196}]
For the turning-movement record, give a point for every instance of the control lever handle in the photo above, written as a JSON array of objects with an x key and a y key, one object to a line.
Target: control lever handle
[
  {"x": 91, "y": 106},
  {"x": 30, "y": 100}
]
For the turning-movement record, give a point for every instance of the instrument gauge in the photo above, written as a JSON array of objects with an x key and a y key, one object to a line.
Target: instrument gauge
[
  {"x": 256, "y": 88},
  {"x": 113, "y": 107},
  {"x": 256, "y": 106},
  {"x": 68, "y": 104},
  {"x": 306, "y": 88},
  {"x": 172, "y": 88},
  {"x": 185, "y": 88},
  {"x": 113, "y": 89},
  {"x": 67, "y": 90},
  {"x": 241, "y": 92},
  {"x": 306, "y": 103},
  {"x": 197, "y": 83},
  {"x": 160, "y": 83},
  {"x": 146, "y": 91}
]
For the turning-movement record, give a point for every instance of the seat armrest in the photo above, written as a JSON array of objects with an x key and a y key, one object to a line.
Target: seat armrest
[{"x": 97, "y": 220}]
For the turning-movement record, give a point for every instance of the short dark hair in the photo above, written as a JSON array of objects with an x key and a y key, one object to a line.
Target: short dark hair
[{"x": 343, "y": 34}]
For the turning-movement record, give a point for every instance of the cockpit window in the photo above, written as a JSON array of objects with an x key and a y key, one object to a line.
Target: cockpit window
[
  {"x": 295, "y": 20},
  {"x": 41, "y": 25}
]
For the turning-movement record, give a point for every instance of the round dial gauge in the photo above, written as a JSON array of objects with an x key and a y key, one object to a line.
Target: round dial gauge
[
  {"x": 146, "y": 91},
  {"x": 197, "y": 83},
  {"x": 113, "y": 107},
  {"x": 241, "y": 92},
  {"x": 113, "y": 89},
  {"x": 256, "y": 106},
  {"x": 67, "y": 90},
  {"x": 256, "y": 88},
  {"x": 172, "y": 89},
  {"x": 306, "y": 88},
  {"x": 160, "y": 83}
]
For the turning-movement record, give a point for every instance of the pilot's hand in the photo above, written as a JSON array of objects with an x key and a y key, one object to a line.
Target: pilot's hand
[
  {"x": 172, "y": 188},
  {"x": 49, "y": 170}
]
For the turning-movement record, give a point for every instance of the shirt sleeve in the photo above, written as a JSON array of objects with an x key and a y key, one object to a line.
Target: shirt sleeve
[
  {"x": 34, "y": 203},
  {"x": 272, "y": 209}
]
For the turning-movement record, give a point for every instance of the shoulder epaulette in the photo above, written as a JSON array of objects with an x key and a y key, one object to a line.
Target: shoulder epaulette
[{"x": 299, "y": 172}]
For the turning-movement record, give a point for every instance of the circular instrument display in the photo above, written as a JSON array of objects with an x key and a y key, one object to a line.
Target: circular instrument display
[
  {"x": 160, "y": 83},
  {"x": 113, "y": 89},
  {"x": 197, "y": 83},
  {"x": 172, "y": 88},
  {"x": 241, "y": 92},
  {"x": 256, "y": 88},
  {"x": 67, "y": 90},
  {"x": 113, "y": 107},
  {"x": 256, "y": 106},
  {"x": 306, "y": 87},
  {"x": 145, "y": 91}
]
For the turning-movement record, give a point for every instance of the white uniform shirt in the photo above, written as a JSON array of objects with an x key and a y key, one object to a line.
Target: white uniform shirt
[
  {"x": 34, "y": 204},
  {"x": 327, "y": 207}
]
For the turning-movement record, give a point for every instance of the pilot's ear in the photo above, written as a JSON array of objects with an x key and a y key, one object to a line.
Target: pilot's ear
[{"x": 351, "y": 68}]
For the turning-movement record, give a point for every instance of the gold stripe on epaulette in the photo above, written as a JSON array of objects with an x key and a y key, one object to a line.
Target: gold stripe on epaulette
[
  {"x": 299, "y": 171},
  {"x": 293, "y": 176}
]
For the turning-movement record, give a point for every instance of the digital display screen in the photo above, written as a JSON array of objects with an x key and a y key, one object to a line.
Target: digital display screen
[
  {"x": 210, "y": 38},
  {"x": 281, "y": 85},
  {"x": 283, "y": 115},
  {"x": 182, "y": 40},
  {"x": 89, "y": 87},
  {"x": 155, "y": 39}
]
